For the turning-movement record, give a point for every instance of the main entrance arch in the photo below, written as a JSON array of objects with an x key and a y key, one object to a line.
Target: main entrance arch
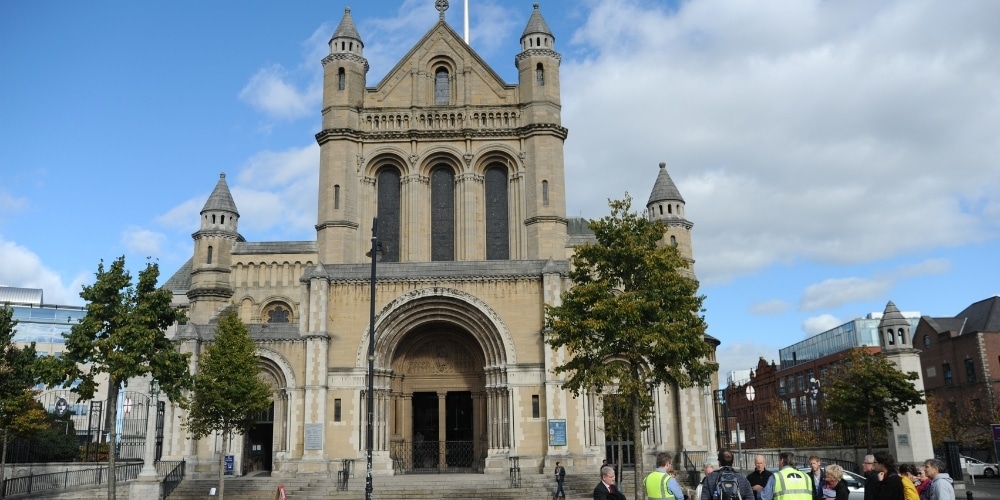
[{"x": 444, "y": 355}]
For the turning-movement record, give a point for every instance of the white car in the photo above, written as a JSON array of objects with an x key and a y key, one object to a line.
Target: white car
[{"x": 975, "y": 467}]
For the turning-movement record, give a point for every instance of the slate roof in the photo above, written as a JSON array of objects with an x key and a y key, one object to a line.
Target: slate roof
[
  {"x": 983, "y": 316},
  {"x": 221, "y": 199},
  {"x": 272, "y": 247},
  {"x": 578, "y": 232},
  {"x": 181, "y": 280},
  {"x": 537, "y": 25},
  {"x": 664, "y": 189},
  {"x": 346, "y": 28},
  {"x": 892, "y": 318}
]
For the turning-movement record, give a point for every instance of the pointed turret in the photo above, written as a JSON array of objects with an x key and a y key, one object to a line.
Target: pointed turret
[
  {"x": 346, "y": 32},
  {"x": 537, "y": 26},
  {"x": 538, "y": 69},
  {"x": 213, "y": 244},
  {"x": 666, "y": 204},
  {"x": 344, "y": 73},
  {"x": 893, "y": 329}
]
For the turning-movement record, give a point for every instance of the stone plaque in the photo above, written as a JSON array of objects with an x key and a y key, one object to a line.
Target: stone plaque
[
  {"x": 314, "y": 437},
  {"x": 903, "y": 439}
]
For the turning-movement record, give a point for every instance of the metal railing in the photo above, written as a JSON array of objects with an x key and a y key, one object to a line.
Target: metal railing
[
  {"x": 35, "y": 483},
  {"x": 426, "y": 456},
  {"x": 173, "y": 476}
]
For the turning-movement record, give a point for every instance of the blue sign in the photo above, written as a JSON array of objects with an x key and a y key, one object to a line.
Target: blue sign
[
  {"x": 557, "y": 432},
  {"x": 230, "y": 464}
]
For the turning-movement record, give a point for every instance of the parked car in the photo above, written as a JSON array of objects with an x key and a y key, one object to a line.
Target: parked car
[{"x": 978, "y": 468}]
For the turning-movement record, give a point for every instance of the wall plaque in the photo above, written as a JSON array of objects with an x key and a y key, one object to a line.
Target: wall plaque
[
  {"x": 557, "y": 432},
  {"x": 314, "y": 437}
]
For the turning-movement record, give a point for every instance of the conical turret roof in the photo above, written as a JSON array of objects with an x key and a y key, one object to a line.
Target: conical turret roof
[
  {"x": 346, "y": 28},
  {"x": 221, "y": 199},
  {"x": 537, "y": 25},
  {"x": 664, "y": 189},
  {"x": 891, "y": 317}
]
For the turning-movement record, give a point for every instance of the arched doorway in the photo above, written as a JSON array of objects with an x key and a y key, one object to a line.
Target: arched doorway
[
  {"x": 269, "y": 433},
  {"x": 438, "y": 382}
]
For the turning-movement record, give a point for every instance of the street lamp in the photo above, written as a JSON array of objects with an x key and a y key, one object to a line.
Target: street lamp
[
  {"x": 152, "y": 407},
  {"x": 375, "y": 253}
]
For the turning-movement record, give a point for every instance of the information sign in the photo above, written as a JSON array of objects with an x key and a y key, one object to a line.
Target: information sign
[{"x": 557, "y": 432}]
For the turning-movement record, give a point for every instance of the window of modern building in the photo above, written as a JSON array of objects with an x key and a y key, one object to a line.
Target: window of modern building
[
  {"x": 946, "y": 371},
  {"x": 497, "y": 229},
  {"x": 793, "y": 406},
  {"x": 800, "y": 382},
  {"x": 442, "y": 87},
  {"x": 535, "y": 406},
  {"x": 442, "y": 214},
  {"x": 970, "y": 371},
  {"x": 388, "y": 213}
]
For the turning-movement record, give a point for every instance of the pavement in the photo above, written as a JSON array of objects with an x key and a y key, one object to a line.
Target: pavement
[{"x": 984, "y": 489}]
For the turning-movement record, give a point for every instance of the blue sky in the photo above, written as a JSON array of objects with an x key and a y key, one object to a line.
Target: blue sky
[{"x": 833, "y": 155}]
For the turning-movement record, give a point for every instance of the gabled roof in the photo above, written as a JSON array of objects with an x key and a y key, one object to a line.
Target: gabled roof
[
  {"x": 537, "y": 24},
  {"x": 983, "y": 316},
  {"x": 181, "y": 280},
  {"x": 221, "y": 199},
  {"x": 440, "y": 28},
  {"x": 664, "y": 189}
]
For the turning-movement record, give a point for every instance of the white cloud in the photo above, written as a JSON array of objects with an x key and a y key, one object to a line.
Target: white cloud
[
  {"x": 820, "y": 324},
  {"x": 796, "y": 130},
  {"x": 735, "y": 356},
  {"x": 20, "y": 267},
  {"x": 143, "y": 241},
  {"x": 834, "y": 292},
  {"x": 773, "y": 306},
  {"x": 184, "y": 216},
  {"x": 271, "y": 91}
]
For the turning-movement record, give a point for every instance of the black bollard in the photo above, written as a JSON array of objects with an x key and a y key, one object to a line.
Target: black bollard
[{"x": 968, "y": 495}]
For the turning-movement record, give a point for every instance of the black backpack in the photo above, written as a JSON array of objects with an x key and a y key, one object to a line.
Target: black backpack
[{"x": 728, "y": 486}]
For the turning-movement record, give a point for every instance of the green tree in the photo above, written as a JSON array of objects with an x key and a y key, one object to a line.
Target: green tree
[
  {"x": 123, "y": 335},
  {"x": 967, "y": 422},
  {"x": 227, "y": 391},
  {"x": 868, "y": 389},
  {"x": 632, "y": 319},
  {"x": 783, "y": 430},
  {"x": 20, "y": 415}
]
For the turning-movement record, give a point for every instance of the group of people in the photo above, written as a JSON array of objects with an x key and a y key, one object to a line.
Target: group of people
[{"x": 884, "y": 480}]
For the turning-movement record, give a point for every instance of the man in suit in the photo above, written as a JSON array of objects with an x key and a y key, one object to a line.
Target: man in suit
[{"x": 606, "y": 489}]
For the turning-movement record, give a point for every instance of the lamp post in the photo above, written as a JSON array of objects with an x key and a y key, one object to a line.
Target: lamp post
[
  {"x": 148, "y": 467},
  {"x": 375, "y": 253},
  {"x": 751, "y": 395}
]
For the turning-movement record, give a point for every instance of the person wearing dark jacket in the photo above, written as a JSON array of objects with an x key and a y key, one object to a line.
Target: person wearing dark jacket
[
  {"x": 607, "y": 489},
  {"x": 759, "y": 477},
  {"x": 872, "y": 477},
  {"x": 833, "y": 485},
  {"x": 891, "y": 486}
]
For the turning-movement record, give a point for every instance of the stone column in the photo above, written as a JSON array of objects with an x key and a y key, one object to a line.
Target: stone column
[{"x": 442, "y": 429}]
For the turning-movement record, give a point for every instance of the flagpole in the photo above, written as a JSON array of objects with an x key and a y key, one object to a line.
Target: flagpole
[{"x": 466, "y": 22}]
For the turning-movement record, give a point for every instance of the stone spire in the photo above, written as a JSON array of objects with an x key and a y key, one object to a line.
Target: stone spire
[
  {"x": 664, "y": 189},
  {"x": 346, "y": 28},
  {"x": 537, "y": 25},
  {"x": 221, "y": 200},
  {"x": 893, "y": 329}
]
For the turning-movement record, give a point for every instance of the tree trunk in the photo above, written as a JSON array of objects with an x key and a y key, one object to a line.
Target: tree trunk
[
  {"x": 640, "y": 490},
  {"x": 222, "y": 464},
  {"x": 3, "y": 462},
  {"x": 868, "y": 432},
  {"x": 112, "y": 403}
]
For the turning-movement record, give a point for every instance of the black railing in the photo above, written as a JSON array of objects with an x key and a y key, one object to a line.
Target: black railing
[
  {"x": 425, "y": 457},
  {"x": 27, "y": 485},
  {"x": 173, "y": 477},
  {"x": 344, "y": 474}
]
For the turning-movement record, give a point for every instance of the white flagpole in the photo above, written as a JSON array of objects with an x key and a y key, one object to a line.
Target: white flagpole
[{"x": 466, "y": 22}]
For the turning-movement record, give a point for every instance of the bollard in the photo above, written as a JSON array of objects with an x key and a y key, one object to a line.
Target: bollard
[{"x": 968, "y": 495}]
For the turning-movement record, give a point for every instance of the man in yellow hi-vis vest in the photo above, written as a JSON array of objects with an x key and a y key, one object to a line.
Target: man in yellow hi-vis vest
[
  {"x": 660, "y": 485},
  {"x": 788, "y": 483}
]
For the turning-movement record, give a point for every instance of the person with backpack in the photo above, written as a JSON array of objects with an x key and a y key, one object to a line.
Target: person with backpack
[
  {"x": 660, "y": 484},
  {"x": 726, "y": 483}
]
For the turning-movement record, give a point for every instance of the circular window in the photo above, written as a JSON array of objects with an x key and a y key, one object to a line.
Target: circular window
[{"x": 927, "y": 341}]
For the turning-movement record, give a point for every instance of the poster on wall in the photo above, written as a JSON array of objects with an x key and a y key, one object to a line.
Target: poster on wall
[{"x": 557, "y": 432}]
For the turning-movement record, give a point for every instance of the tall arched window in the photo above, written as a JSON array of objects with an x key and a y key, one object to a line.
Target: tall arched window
[
  {"x": 497, "y": 227},
  {"x": 442, "y": 88},
  {"x": 336, "y": 196},
  {"x": 540, "y": 75},
  {"x": 387, "y": 184},
  {"x": 209, "y": 255},
  {"x": 341, "y": 79},
  {"x": 442, "y": 214},
  {"x": 545, "y": 193}
]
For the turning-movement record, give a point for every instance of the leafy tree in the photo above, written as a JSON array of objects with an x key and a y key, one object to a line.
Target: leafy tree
[
  {"x": 783, "y": 430},
  {"x": 123, "y": 335},
  {"x": 632, "y": 320},
  {"x": 19, "y": 413},
  {"x": 964, "y": 421},
  {"x": 227, "y": 391},
  {"x": 868, "y": 388}
]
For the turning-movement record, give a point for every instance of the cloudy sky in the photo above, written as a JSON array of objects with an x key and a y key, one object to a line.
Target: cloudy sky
[{"x": 833, "y": 155}]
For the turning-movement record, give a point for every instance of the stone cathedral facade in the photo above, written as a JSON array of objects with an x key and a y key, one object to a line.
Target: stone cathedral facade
[{"x": 465, "y": 175}]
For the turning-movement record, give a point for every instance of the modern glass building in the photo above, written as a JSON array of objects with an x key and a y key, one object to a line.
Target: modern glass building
[
  {"x": 43, "y": 324},
  {"x": 855, "y": 333}
]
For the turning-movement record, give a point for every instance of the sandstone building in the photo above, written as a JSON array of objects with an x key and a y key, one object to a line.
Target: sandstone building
[{"x": 465, "y": 174}]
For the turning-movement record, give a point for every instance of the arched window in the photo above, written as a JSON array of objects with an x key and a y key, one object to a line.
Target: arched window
[
  {"x": 277, "y": 315},
  {"x": 545, "y": 193},
  {"x": 670, "y": 209},
  {"x": 209, "y": 255},
  {"x": 497, "y": 232},
  {"x": 902, "y": 337},
  {"x": 673, "y": 240},
  {"x": 341, "y": 79},
  {"x": 442, "y": 88},
  {"x": 387, "y": 184},
  {"x": 540, "y": 75},
  {"x": 442, "y": 214},
  {"x": 336, "y": 196},
  {"x": 890, "y": 337}
]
